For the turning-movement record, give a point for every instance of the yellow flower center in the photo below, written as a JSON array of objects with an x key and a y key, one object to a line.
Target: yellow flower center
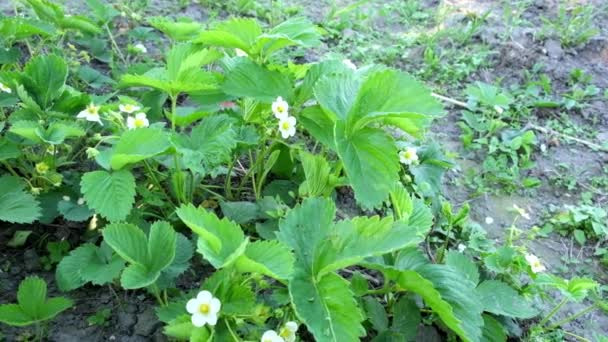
[
  {"x": 42, "y": 168},
  {"x": 280, "y": 109},
  {"x": 139, "y": 123},
  {"x": 408, "y": 155},
  {"x": 92, "y": 110},
  {"x": 128, "y": 107},
  {"x": 285, "y": 125},
  {"x": 284, "y": 333},
  {"x": 204, "y": 308}
]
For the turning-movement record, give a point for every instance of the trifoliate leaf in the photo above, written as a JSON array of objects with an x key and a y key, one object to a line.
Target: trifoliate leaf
[{"x": 110, "y": 194}]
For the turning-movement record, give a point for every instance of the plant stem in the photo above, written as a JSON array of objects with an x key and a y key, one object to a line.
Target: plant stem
[
  {"x": 572, "y": 317},
  {"x": 114, "y": 45},
  {"x": 553, "y": 312},
  {"x": 231, "y": 331},
  {"x": 253, "y": 167},
  {"x": 445, "y": 244},
  {"x": 228, "y": 182}
]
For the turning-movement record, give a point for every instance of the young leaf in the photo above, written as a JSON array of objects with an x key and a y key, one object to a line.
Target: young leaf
[
  {"x": 220, "y": 241},
  {"x": 295, "y": 31},
  {"x": 161, "y": 245},
  {"x": 176, "y": 30},
  {"x": 128, "y": 241},
  {"x": 316, "y": 171},
  {"x": 110, "y": 194},
  {"x": 137, "y": 145},
  {"x": 67, "y": 274},
  {"x": 16, "y": 205}
]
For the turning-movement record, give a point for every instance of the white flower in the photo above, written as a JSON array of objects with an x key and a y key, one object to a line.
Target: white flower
[
  {"x": 128, "y": 108},
  {"x": 521, "y": 212},
  {"x": 489, "y": 220},
  {"x": 204, "y": 309},
  {"x": 140, "y": 120},
  {"x": 240, "y": 53},
  {"x": 5, "y": 89},
  {"x": 461, "y": 247},
  {"x": 349, "y": 64},
  {"x": 66, "y": 198},
  {"x": 280, "y": 108},
  {"x": 535, "y": 263},
  {"x": 91, "y": 113},
  {"x": 271, "y": 336},
  {"x": 409, "y": 156},
  {"x": 140, "y": 48},
  {"x": 288, "y": 332},
  {"x": 80, "y": 201},
  {"x": 498, "y": 109},
  {"x": 287, "y": 126}
]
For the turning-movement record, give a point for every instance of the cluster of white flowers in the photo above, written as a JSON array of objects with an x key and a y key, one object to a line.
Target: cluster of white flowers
[
  {"x": 4, "y": 88},
  {"x": 286, "y": 334},
  {"x": 409, "y": 156},
  {"x": 139, "y": 120},
  {"x": 521, "y": 212},
  {"x": 287, "y": 124}
]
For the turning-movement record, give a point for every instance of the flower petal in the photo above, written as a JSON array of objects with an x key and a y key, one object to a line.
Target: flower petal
[
  {"x": 192, "y": 306},
  {"x": 292, "y": 326},
  {"x": 141, "y": 116},
  {"x": 204, "y": 297},
  {"x": 212, "y": 319},
  {"x": 216, "y": 305},
  {"x": 199, "y": 320}
]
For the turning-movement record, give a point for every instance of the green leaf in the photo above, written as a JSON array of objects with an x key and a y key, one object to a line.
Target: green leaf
[
  {"x": 248, "y": 79},
  {"x": 327, "y": 307},
  {"x": 103, "y": 267},
  {"x": 183, "y": 254},
  {"x": 337, "y": 94},
  {"x": 220, "y": 241},
  {"x": 406, "y": 318},
  {"x": 493, "y": 331},
  {"x": 234, "y": 33},
  {"x": 73, "y": 211},
  {"x": 31, "y": 296},
  {"x": 319, "y": 125},
  {"x": 414, "y": 282},
  {"x": 111, "y": 194},
  {"x": 209, "y": 146},
  {"x": 501, "y": 299},
  {"x": 240, "y": 212},
  {"x": 17, "y": 206},
  {"x": 44, "y": 78},
  {"x": 137, "y": 145},
  {"x": 8, "y": 149},
  {"x": 460, "y": 293},
  {"x": 370, "y": 157},
  {"x": 391, "y": 94},
  {"x": 306, "y": 227},
  {"x": 463, "y": 264},
  {"x": 270, "y": 258},
  {"x": 295, "y": 31},
  {"x": 350, "y": 242},
  {"x": 80, "y": 23},
  {"x": 128, "y": 241},
  {"x": 137, "y": 276},
  {"x": 161, "y": 245},
  {"x": 316, "y": 72},
  {"x": 57, "y": 132},
  {"x": 316, "y": 171},
  {"x": 176, "y": 30},
  {"x": 12, "y": 314},
  {"x": 375, "y": 313},
  {"x": 67, "y": 274}
]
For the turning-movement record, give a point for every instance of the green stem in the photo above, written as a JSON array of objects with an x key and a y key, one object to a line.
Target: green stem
[
  {"x": 445, "y": 244},
  {"x": 156, "y": 292},
  {"x": 231, "y": 331},
  {"x": 553, "y": 312},
  {"x": 157, "y": 183},
  {"x": 572, "y": 317},
  {"x": 253, "y": 167},
  {"x": 114, "y": 45},
  {"x": 576, "y": 336},
  {"x": 228, "y": 181}
]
